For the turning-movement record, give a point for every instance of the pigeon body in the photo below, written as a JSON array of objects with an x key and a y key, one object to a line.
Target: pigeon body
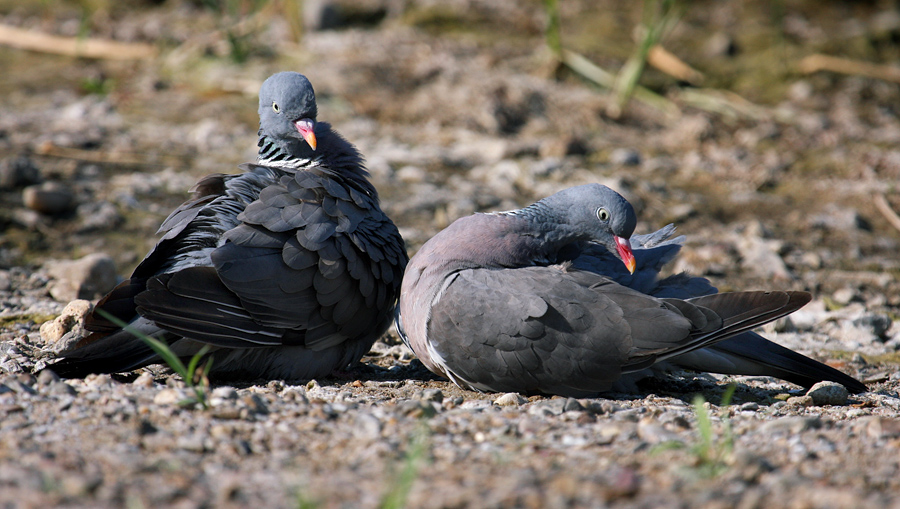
[
  {"x": 552, "y": 299},
  {"x": 288, "y": 270}
]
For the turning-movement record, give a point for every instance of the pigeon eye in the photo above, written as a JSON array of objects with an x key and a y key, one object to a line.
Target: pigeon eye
[
  {"x": 603, "y": 214},
  {"x": 276, "y": 108}
]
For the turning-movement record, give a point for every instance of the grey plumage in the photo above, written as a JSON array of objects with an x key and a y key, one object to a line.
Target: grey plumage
[
  {"x": 539, "y": 301},
  {"x": 745, "y": 354},
  {"x": 289, "y": 269}
]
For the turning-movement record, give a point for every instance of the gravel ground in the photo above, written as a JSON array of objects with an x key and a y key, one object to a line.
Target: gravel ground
[{"x": 459, "y": 109}]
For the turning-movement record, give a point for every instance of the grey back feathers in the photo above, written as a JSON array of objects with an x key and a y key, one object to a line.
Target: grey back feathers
[
  {"x": 289, "y": 269},
  {"x": 531, "y": 301}
]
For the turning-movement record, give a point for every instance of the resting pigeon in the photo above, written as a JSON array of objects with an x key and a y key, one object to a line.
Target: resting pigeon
[
  {"x": 288, "y": 270},
  {"x": 552, "y": 299}
]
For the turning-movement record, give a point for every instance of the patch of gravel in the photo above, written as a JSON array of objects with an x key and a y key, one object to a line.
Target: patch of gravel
[
  {"x": 105, "y": 441},
  {"x": 108, "y": 441}
]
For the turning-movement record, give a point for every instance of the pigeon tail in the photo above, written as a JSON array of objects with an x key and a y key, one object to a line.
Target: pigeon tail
[{"x": 753, "y": 355}]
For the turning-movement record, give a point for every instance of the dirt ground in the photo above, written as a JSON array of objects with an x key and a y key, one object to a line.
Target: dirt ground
[{"x": 780, "y": 178}]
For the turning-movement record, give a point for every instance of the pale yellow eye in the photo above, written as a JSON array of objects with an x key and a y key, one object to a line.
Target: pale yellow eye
[
  {"x": 275, "y": 107},
  {"x": 603, "y": 214}
]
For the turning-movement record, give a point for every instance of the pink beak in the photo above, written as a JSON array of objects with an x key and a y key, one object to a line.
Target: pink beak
[
  {"x": 306, "y": 128},
  {"x": 624, "y": 249}
]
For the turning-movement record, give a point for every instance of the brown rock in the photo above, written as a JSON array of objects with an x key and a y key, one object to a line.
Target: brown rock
[
  {"x": 71, "y": 318},
  {"x": 883, "y": 427},
  {"x": 86, "y": 278},
  {"x": 49, "y": 198}
]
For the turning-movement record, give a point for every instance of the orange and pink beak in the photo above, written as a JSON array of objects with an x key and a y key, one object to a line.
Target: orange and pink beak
[
  {"x": 306, "y": 128},
  {"x": 623, "y": 246}
]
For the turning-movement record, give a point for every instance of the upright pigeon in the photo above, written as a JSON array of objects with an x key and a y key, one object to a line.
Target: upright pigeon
[
  {"x": 289, "y": 270},
  {"x": 536, "y": 301}
]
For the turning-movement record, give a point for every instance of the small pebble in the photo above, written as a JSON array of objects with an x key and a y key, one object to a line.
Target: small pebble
[
  {"x": 411, "y": 174},
  {"x": 47, "y": 377},
  {"x": 89, "y": 277},
  {"x": 18, "y": 171},
  {"x": 60, "y": 388},
  {"x": 72, "y": 317},
  {"x": 845, "y": 296},
  {"x": 828, "y": 393},
  {"x": 169, "y": 397},
  {"x": 98, "y": 380},
  {"x": 555, "y": 406},
  {"x": 625, "y": 157},
  {"x": 145, "y": 379},
  {"x": 224, "y": 393},
  {"x": 883, "y": 427},
  {"x": 192, "y": 443},
  {"x": 878, "y": 324},
  {"x": 49, "y": 198},
  {"x": 255, "y": 403},
  {"x": 800, "y": 401},
  {"x": 433, "y": 395},
  {"x": 650, "y": 431},
  {"x": 510, "y": 399},
  {"x": 791, "y": 424}
]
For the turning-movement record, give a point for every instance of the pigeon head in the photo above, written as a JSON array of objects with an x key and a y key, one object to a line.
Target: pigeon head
[
  {"x": 287, "y": 109},
  {"x": 598, "y": 214}
]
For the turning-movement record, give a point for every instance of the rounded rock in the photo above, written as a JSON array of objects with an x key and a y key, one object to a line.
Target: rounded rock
[
  {"x": 72, "y": 317},
  {"x": 625, "y": 157},
  {"x": 89, "y": 277},
  {"x": 510, "y": 399},
  {"x": 49, "y": 198},
  {"x": 845, "y": 296},
  {"x": 433, "y": 395},
  {"x": 18, "y": 171},
  {"x": 828, "y": 393},
  {"x": 169, "y": 397}
]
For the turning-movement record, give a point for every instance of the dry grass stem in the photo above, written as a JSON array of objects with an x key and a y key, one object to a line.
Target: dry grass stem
[
  {"x": 675, "y": 67},
  {"x": 819, "y": 62},
  {"x": 102, "y": 49},
  {"x": 884, "y": 207}
]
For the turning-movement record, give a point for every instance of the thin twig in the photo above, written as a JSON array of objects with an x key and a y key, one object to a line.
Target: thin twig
[
  {"x": 884, "y": 207},
  {"x": 722, "y": 102},
  {"x": 819, "y": 62},
  {"x": 96, "y": 156},
  {"x": 103, "y": 49}
]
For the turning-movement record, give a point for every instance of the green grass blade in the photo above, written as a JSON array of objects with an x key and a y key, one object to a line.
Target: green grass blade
[
  {"x": 163, "y": 350},
  {"x": 159, "y": 347},
  {"x": 187, "y": 373},
  {"x": 728, "y": 434},
  {"x": 657, "y": 21},
  {"x": 398, "y": 492},
  {"x": 728, "y": 395},
  {"x": 195, "y": 360},
  {"x": 552, "y": 31}
]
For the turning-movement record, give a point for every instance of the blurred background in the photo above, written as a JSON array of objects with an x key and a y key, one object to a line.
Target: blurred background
[{"x": 767, "y": 131}]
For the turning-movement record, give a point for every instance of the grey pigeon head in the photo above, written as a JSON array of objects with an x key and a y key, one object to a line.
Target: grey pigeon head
[
  {"x": 287, "y": 110},
  {"x": 593, "y": 213},
  {"x": 594, "y": 210}
]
